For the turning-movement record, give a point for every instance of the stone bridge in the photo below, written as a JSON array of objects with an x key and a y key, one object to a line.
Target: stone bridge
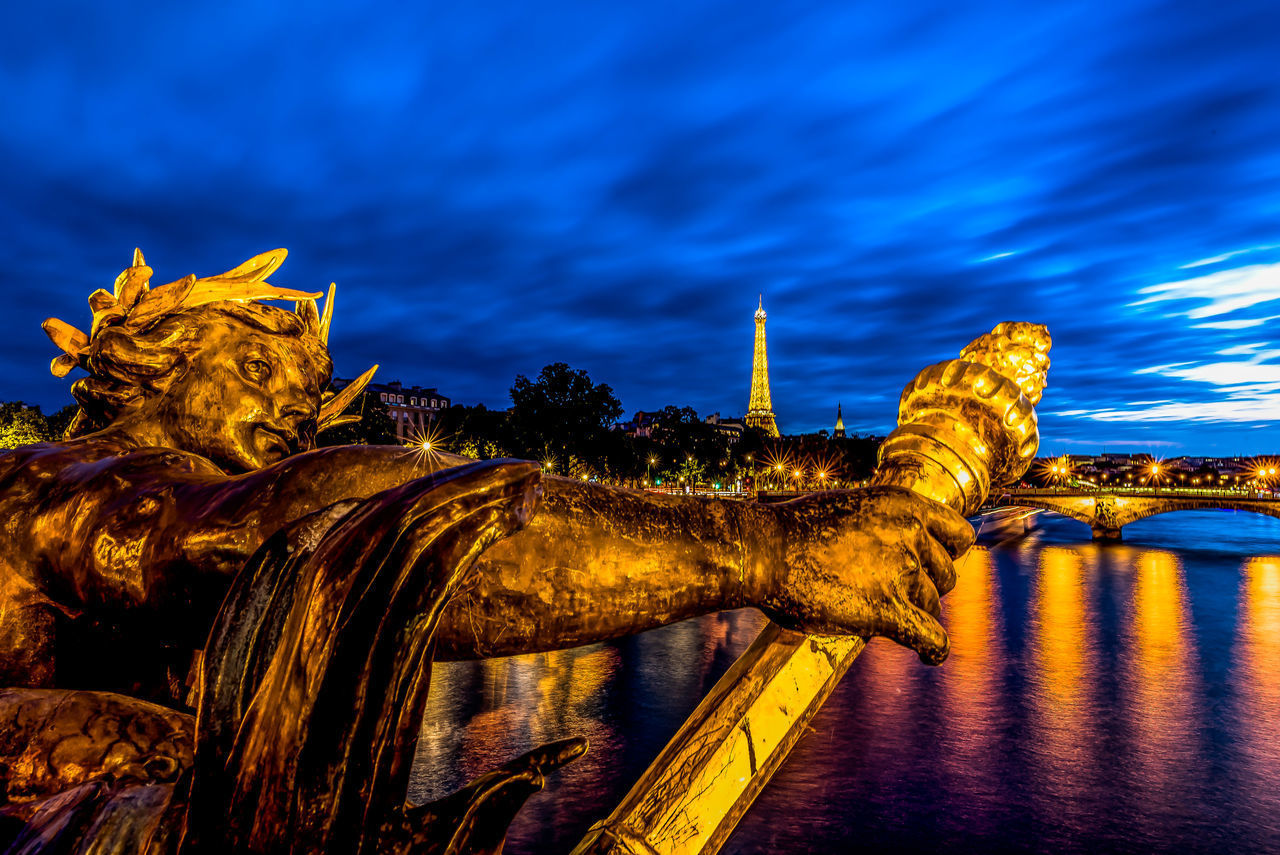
[{"x": 1106, "y": 512}]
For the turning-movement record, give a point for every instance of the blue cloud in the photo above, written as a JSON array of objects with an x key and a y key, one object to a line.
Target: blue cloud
[{"x": 500, "y": 186}]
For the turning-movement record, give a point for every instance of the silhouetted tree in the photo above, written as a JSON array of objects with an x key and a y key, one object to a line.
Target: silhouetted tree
[
  {"x": 21, "y": 424},
  {"x": 374, "y": 428},
  {"x": 563, "y": 413},
  {"x": 476, "y": 432},
  {"x": 61, "y": 420}
]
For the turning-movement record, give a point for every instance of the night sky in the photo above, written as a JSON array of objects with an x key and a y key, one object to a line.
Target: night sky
[{"x": 497, "y": 186}]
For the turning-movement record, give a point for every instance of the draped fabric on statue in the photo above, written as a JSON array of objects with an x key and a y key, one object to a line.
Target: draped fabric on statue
[{"x": 313, "y": 687}]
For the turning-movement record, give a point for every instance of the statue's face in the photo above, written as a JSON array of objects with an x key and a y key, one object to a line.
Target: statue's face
[{"x": 248, "y": 398}]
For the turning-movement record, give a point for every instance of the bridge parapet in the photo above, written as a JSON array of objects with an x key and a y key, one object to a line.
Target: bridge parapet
[{"x": 1108, "y": 512}]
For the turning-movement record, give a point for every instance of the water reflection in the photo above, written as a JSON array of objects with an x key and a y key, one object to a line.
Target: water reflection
[
  {"x": 971, "y": 689},
  {"x": 481, "y": 714},
  {"x": 1162, "y": 695},
  {"x": 1097, "y": 699},
  {"x": 1257, "y": 682},
  {"x": 1064, "y": 712},
  {"x": 524, "y": 701}
]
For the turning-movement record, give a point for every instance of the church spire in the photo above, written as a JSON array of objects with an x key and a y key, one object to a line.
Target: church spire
[
  {"x": 838, "y": 433},
  {"x": 760, "y": 407}
]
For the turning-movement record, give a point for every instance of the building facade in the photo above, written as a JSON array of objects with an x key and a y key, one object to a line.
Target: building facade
[
  {"x": 412, "y": 408},
  {"x": 730, "y": 429}
]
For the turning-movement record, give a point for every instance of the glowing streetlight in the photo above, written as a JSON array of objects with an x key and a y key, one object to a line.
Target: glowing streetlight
[{"x": 1154, "y": 474}]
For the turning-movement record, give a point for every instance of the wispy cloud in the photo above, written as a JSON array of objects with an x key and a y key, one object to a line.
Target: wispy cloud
[
  {"x": 614, "y": 187},
  {"x": 1223, "y": 292},
  {"x": 1245, "y": 391},
  {"x": 1226, "y": 256},
  {"x": 1236, "y": 324},
  {"x": 1233, "y": 409}
]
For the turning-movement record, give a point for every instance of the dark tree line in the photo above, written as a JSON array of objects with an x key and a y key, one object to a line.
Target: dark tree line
[
  {"x": 24, "y": 424},
  {"x": 567, "y": 422}
]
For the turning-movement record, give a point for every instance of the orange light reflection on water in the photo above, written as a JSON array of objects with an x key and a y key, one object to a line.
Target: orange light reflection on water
[
  {"x": 1161, "y": 686},
  {"x": 1257, "y": 684},
  {"x": 1063, "y": 709},
  {"x": 970, "y": 679},
  {"x": 527, "y": 701}
]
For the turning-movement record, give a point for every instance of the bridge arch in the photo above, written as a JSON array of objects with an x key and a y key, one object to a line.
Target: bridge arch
[
  {"x": 1107, "y": 514},
  {"x": 1256, "y": 507},
  {"x": 1073, "y": 510}
]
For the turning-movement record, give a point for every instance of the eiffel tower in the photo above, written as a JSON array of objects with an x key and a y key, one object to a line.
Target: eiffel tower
[{"x": 760, "y": 408}]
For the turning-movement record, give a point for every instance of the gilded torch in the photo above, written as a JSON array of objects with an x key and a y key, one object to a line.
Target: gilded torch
[
  {"x": 964, "y": 425},
  {"x": 969, "y": 423}
]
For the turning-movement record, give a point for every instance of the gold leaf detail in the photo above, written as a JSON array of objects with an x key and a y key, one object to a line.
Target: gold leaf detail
[
  {"x": 338, "y": 421},
  {"x": 213, "y": 290},
  {"x": 62, "y": 364},
  {"x": 327, "y": 319},
  {"x": 310, "y": 315},
  {"x": 101, "y": 300},
  {"x": 68, "y": 339},
  {"x": 160, "y": 302},
  {"x": 333, "y": 409},
  {"x": 132, "y": 286},
  {"x": 257, "y": 268},
  {"x": 104, "y": 317}
]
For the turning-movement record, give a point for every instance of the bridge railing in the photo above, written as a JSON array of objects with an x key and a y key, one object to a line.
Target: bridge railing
[{"x": 1152, "y": 492}]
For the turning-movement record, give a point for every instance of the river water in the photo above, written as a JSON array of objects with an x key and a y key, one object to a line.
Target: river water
[{"x": 1098, "y": 698}]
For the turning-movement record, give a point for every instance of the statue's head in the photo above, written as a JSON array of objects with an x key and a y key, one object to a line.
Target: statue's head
[{"x": 204, "y": 366}]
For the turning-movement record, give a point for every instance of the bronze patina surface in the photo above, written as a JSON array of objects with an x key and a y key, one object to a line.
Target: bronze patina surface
[{"x": 186, "y": 544}]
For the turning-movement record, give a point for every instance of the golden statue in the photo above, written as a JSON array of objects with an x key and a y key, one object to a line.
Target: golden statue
[{"x": 187, "y": 547}]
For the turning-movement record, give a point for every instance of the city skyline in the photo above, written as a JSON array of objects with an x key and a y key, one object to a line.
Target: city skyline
[{"x": 495, "y": 189}]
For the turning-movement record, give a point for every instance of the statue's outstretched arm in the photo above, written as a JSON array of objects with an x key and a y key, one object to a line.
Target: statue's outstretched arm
[
  {"x": 600, "y": 563},
  {"x": 161, "y": 529}
]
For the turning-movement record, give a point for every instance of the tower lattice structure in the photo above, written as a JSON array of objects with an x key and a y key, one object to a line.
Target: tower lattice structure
[{"x": 760, "y": 407}]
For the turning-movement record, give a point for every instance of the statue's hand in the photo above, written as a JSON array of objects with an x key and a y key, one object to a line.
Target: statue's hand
[{"x": 864, "y": 562}]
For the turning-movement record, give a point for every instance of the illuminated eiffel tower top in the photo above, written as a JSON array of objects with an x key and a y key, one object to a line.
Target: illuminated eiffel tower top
[{"x": 760, "y": 408}]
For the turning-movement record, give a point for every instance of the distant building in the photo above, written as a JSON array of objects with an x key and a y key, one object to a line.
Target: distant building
[
  {"x": 732, "y": 429},
  {"x": 412, "y": 408},
  {"x": 838, "y": 433},
  {"x": 641, "y": 424}
]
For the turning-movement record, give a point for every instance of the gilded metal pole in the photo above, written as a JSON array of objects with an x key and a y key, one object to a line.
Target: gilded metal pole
[{"x": 963, "y": 425}]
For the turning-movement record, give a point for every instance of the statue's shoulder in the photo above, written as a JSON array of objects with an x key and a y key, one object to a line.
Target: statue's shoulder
[{"x": 79, "y": 460}]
